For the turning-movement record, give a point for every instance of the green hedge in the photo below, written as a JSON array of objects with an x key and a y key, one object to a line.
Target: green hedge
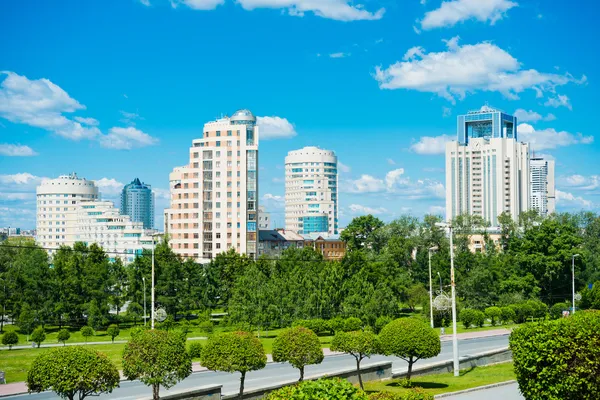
[
  {"x": 334, "y": 389},
  {"x": 557, "y": 360}
]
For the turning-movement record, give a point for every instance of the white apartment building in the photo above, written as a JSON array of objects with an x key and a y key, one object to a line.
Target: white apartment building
[
  {"x": 57, "y": 202},
  {"x": 214, "y": 199},
  {"x": 311, "y": 181},
  {"x": 543, "y": 196},
  {"x": 487, "y": 169},
  {"x": 101, "y": 223},
  {"x": 264, "y": 219}
]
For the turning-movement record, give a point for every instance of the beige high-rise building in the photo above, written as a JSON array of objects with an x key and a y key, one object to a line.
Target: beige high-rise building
[
  {"x": 214, "y": 199},
  {"x": 543, "y": 193}
]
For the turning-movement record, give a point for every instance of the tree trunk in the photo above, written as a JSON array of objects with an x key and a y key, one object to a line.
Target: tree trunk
[
  {"x": 301, "y": 373},
  {"x": 155, "y": 389},
  {"x": 410, "y": 365},
  {"x": 241, "y": 395},
  {"x": 358, "y": 372}
]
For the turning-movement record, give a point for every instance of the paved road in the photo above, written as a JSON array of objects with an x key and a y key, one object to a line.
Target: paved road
[
  {"x": 506, "y": 392},
  {"x": 280, "y": 373}
]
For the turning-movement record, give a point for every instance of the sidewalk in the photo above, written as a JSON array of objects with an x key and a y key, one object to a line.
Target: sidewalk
[{"x": 477, "y": 334}]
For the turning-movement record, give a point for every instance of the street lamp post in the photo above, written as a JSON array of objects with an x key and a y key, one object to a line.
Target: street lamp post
[
  {"x": 453, "y": 286},
  {"x": 441, "y": 287},
  {"x": 431, "y": 249},
  {"x": 573, "y": 276},
  {"x": 145, "y": 315},
  {"x": 152, "y": 292}
]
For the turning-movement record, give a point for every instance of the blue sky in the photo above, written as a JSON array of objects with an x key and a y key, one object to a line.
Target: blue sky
[{"x": 117, "y": 89}]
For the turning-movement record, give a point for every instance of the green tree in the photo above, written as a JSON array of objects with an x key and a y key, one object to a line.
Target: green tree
[
  {"x": 72, "y": 372},
  {"x": 63, "y": 336},
  {"x": 234, "y": 352},
  {"x": 38, "y": 336},
  {"x": 556, "y": 311},
  {"x": 358, "y": 234},
  {"x": 134, "y": 311},
  {"x": 467, "y": 317},
  {"x": 10, "y": 338},
  {"x": 359, "y": 344},
  {"x": 113, "y": 331},
  {"x": 381, "y": 322},
  {"x": 508, "y": 315},
  {"x": 26, "y": 320},
  {"x": 410, "y": 339},
  {"x": 417, "y": 295},
  {"x": 339, "y": 389},
  {"x": 86, "y": 332},
  {"x": 156, "y": 358},
  {"x": 494, "y": 314},
  {"x": 560, "y": 359},
  {"x": 195, "y": 349},
  {"x": 299, "y": 346}
]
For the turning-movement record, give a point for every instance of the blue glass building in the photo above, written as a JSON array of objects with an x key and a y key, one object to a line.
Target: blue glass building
[
  {"x": 137, "y": 201},
  {"x": 486, "y": 123}
]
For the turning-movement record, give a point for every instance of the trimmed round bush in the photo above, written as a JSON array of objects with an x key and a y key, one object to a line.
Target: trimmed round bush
[
  {"x": 540, "y": 309},
  {"x": 195, "y": 349},
  {"x": 523, "y": 312},
  {"x": 38, "y": 336},
  {"x": 335, "y": 324},
  {"x": 411, "y": 394},
  {"x": 10, "y": 338},
  {"x": 299, "y": 346},
  {"x": 467, "y": 317},
  {"x": 63, "y": 336},
  {"x": 494, "y": 314},
  {"x": 479, "y": 318},
  {"x": 352, "y": 324},
  {"x": 381, "y": 322},
  {"x": 556, "y": 360},
  {"x": 556, "y": 311},
  {"x": 508, "y": 315},
  {"x": 338, "y": 389}
]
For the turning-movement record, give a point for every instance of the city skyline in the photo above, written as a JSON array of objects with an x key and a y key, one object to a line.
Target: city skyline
[{"x": 355, "y": 92}]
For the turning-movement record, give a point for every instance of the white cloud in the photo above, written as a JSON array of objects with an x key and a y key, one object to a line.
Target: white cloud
[
  {"x": 395, "y": 177},
  {"x": 21, "y": 179},
  {"x": 145, "y": 2},
  {"x": 41, "y": 104},
  {"x": 549, "y": 138},
  {"x": 437, "y": 210},
  {"x": 16, "y": 196},
  {"x": 365, "y": 184},
  {"x": 198, "y": 4},
  {"x": 532, "y": 116},
  {"x": 126, "y": 139},
  {"x": 275, "y": 128},
  {"x": 340, "y": 55},
  {"x": 559, "y": 101},
  {"x": 340, "y": 10},
  {"x": 87, "y": 121},
  {"x": 452, "y": 12},
  {"x": 466, "y": 69},
  {"x": 446, "y": 112},
  {"x": 16, "y": 150},
  {"x": 432, "y": 145},
  {"x": 580, "y": 182},
  {"x": 570, "y": 200},
  {"x": 397, "y": 184},
  {"x": 109, "y": 187},
  {"x": 391, "y": 162},
  {"x": 343, "y": 167},
  {"x": 164, "y": 194},
  {"x": 359, "y": 209}
]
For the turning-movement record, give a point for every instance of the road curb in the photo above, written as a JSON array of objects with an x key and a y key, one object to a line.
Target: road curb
[{"x": 475, "y": 389}]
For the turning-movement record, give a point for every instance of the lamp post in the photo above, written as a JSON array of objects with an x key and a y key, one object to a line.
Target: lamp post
[
  {"x": 145, "y": 315},
  {"x": 573, "y": 276},
  {"x": 453, "y": 286},
  {"x": 441, "y": 287},
  {"x": 152, "y": 290},
  {"x": 431, "y": 249}
]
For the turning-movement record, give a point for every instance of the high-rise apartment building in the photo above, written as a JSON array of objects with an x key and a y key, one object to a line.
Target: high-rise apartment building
[
  {"x": 487, "y": 169},
  {"x": 57, "y": 202},
  {"x": 543, "y": 197},
  {"x": 264, "y": 219},
  {"x": 214, "y": 199},
  {"x": 311, "y": 195},
  {"x": 137, "y": 201}
]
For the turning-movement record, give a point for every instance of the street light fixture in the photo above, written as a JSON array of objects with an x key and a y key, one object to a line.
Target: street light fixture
[
  {"x": 431, "y": 249},
  {"x": 573, "y": 275},
  {"x": 453, "y": 286}
]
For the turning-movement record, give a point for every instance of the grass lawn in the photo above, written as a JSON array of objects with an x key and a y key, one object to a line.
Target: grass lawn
[{"x": 444, "y": 383}]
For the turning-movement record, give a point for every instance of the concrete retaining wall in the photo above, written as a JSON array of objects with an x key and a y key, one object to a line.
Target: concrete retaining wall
[
  {"x": 370, "y": 372},
  {"x": 475, "y": 360}
]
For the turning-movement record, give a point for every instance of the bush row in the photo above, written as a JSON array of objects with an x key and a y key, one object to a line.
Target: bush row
[{"x": 516, "y": 313}]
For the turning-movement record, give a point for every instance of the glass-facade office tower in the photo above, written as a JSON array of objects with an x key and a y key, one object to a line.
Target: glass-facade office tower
[
  {"x": 543, "y": 197},
  {"x": 214, "y": 199},
  {"x": 311, "y": 196},
  {"x": 487, "y": 169},
  {"x": 137, "y": 201}
]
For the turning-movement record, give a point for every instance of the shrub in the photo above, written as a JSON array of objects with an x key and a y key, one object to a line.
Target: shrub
[
  {"x": 10, "y": 338},
  {"x": 559, "y": 359},
  {"x": 316, "y": 325},
  {"x": 508, "y": 315},
  {"x": 540, "y": 309},
  {"x": 234, "y": 352},
  {"x": 86, "y": 332},
  {"x": 556, "y": 311},
  {"x": 467, "y": 317},
  {"x": 299, "y": 346},
  {"x": 352, "y": 324},
  {"x": 410, "y": 339},
  {"x": 381, "y": 322},
  {"x": 195, "y": 349},
  {"x": 335, "y": 324},
  {"x": 38, "y": 336},
  {"x": 63, "y": 336},
  {"x": 184, "y": 327},
  {"x": 206, "y": 327},
  {"x": 338, "y": 389},
  {"x": 157, "y": 358},
  {"x": 113, "y": 331},
  {"x": 412, "y": 394},
  {"x": 359, "y": 344},
  {"x": 72, "y": 372},
  {"x": 494, "y": 314},
  {"x": 168, "y": 323},
  {"x": 478, "y": 318}
]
